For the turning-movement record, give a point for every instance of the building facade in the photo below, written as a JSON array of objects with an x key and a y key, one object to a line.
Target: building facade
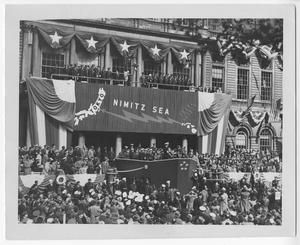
[{"x": 242, "y": 81}]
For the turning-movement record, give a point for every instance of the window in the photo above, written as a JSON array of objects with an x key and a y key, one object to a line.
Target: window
[
  {"x": 265, "y": 140},
  {"x": 243, "y": 84},
  {"x": 266, "y": 86},
  {"x": 241, "y": 139},
  {"x": 120, "y": 64},
  {"x": 150, "y": 66},
  {"x": 52, "y": 64},
  {"x": 218, "y": 77},
  {"x": 181, "y": 70}
]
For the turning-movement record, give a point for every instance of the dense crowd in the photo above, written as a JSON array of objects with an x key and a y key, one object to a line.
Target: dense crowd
[
  {"x": 96, "y": 74},
  {"x": 90, "y": 160},
  {"x": 93, "y": 73},
  {"x": 233, "y": 160},
  {"x": 137, "y": 201},
  {"x": 161, "y": 78}
]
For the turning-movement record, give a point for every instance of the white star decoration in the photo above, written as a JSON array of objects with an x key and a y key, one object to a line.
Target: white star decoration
[
  {"x": 91, "y": 42},
  {"x": 55, "y": 38},
  {"x": 125, "y": 46},
  {"x": 155, "y": 50},
  {"x": 184, "y": 54}
]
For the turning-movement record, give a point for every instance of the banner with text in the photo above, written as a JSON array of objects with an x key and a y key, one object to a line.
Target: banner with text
[{"x": 126, "y": 109}]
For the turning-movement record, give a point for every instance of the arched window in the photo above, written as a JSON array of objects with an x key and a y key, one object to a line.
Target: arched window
[
  {"x": 241, "y": 139},
  {"x": 265, "y": 140}
]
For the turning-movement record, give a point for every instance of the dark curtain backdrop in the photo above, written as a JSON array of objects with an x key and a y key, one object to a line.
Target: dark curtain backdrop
[{"x": 182, "y": 108}]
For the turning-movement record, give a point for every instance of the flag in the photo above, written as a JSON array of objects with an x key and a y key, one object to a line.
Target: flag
[
  {"x": 52, "y": 106},
  {"x": 214, "y": 110},
  {"x": 256, "y": 83},
  {"x": 276, "y": 107},
  {"x": 249, "y": 103},
  {"x": 42, "y": 186}
]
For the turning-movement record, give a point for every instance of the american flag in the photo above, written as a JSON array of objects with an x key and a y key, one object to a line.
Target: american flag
[
  {"x": 45, "y": 182},
  {"x": 276, "y": 106},
  {"x": 226, "y": 177}
]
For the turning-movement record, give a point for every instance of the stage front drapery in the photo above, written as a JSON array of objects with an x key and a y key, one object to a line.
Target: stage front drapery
[
  {"x": 98, "y": 107},
  {"x": 51, "y": 109}
]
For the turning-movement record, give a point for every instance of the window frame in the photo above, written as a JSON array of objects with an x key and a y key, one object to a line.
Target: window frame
[
  {"x": 58, "y": 69},
  {"x": 218, "y": 65},
  {"x": 181, "y": 66},
  {"x": 121, "y": 68},
  {"x": 270, "y": 139},
  {"x": 242, "y": 131},
  {"x": 270, "y": 88},
  {"x": 152, "y": 71},
  {"x": 247, "y": 70}
]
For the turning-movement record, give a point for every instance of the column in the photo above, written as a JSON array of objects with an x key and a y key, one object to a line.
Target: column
[
  {"x": 102, "y": 61},
  {"x": 192, "y": 69},
  {"x": 28, "y": 136},
  {"x": 164, "y": 66},
  {"x": 140, "y": 64},
  {"x": 170, "y": 64},
  {"x": 134, "y": 78},
  {"x": 62, "y": 136},
  {"x": 73, "y": 55},
  {"x": 81, "y": 140},
  {"x": 36, "y": 57},
  {"x": 41, "y": 125},
  {"x": 185, "y": 143},
  {"x": 27, "y": 52},
  {"x": 118, "y": 145},
  {"x": 152, "y": 141},
  {"x": 108, "y": 62},
  {"x": 198, "y": 69}
]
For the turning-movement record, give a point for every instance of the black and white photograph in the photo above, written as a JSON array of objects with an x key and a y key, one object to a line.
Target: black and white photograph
[{"x": 151, "y": 121}]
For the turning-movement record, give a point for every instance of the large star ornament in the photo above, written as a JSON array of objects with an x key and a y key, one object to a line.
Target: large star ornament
[
  {"x": 125, "y": 46},
  {"x": 184, "y": 54},
  {"x": 155, "y": 50},
  {"x": 91, "y": 42},
  {"x": 55, "y": 38}
]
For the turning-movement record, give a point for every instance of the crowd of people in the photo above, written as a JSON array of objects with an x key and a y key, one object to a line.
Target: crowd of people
[
  {"x": 138, "y": 201},
  {"x": 233, "y": 160},
  {"x": 167, "y": 79},
  {"x": 96, "y": 74},
  {"x": 80, "y": 160}
]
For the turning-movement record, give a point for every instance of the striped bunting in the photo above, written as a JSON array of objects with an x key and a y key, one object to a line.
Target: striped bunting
[
  {"x": 42, "y": 187},
  {"x": 214, "y": 114}
]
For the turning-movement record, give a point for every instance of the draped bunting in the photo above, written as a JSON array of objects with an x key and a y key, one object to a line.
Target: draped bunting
[
  {"x": 93, "y": 43},
  {"x": 125, "y": 47},
  {"x": 253, "y": 118},
  {"x": 162, "y": 49},
  {"x": 56, "y": 99},
  {"x": 182, "y": 55},
  {"x": 241, "y": 51},
  {"x": 43, "y": 180},
  {"x": 56, "y": 38},
  {"x": 212, "y": 107}
]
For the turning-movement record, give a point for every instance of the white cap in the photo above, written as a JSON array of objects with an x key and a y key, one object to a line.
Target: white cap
[{"x": 202, "y": 208}]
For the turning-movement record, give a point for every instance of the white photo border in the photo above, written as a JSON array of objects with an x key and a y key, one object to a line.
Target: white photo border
[{"x": 15, "y": 13}]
